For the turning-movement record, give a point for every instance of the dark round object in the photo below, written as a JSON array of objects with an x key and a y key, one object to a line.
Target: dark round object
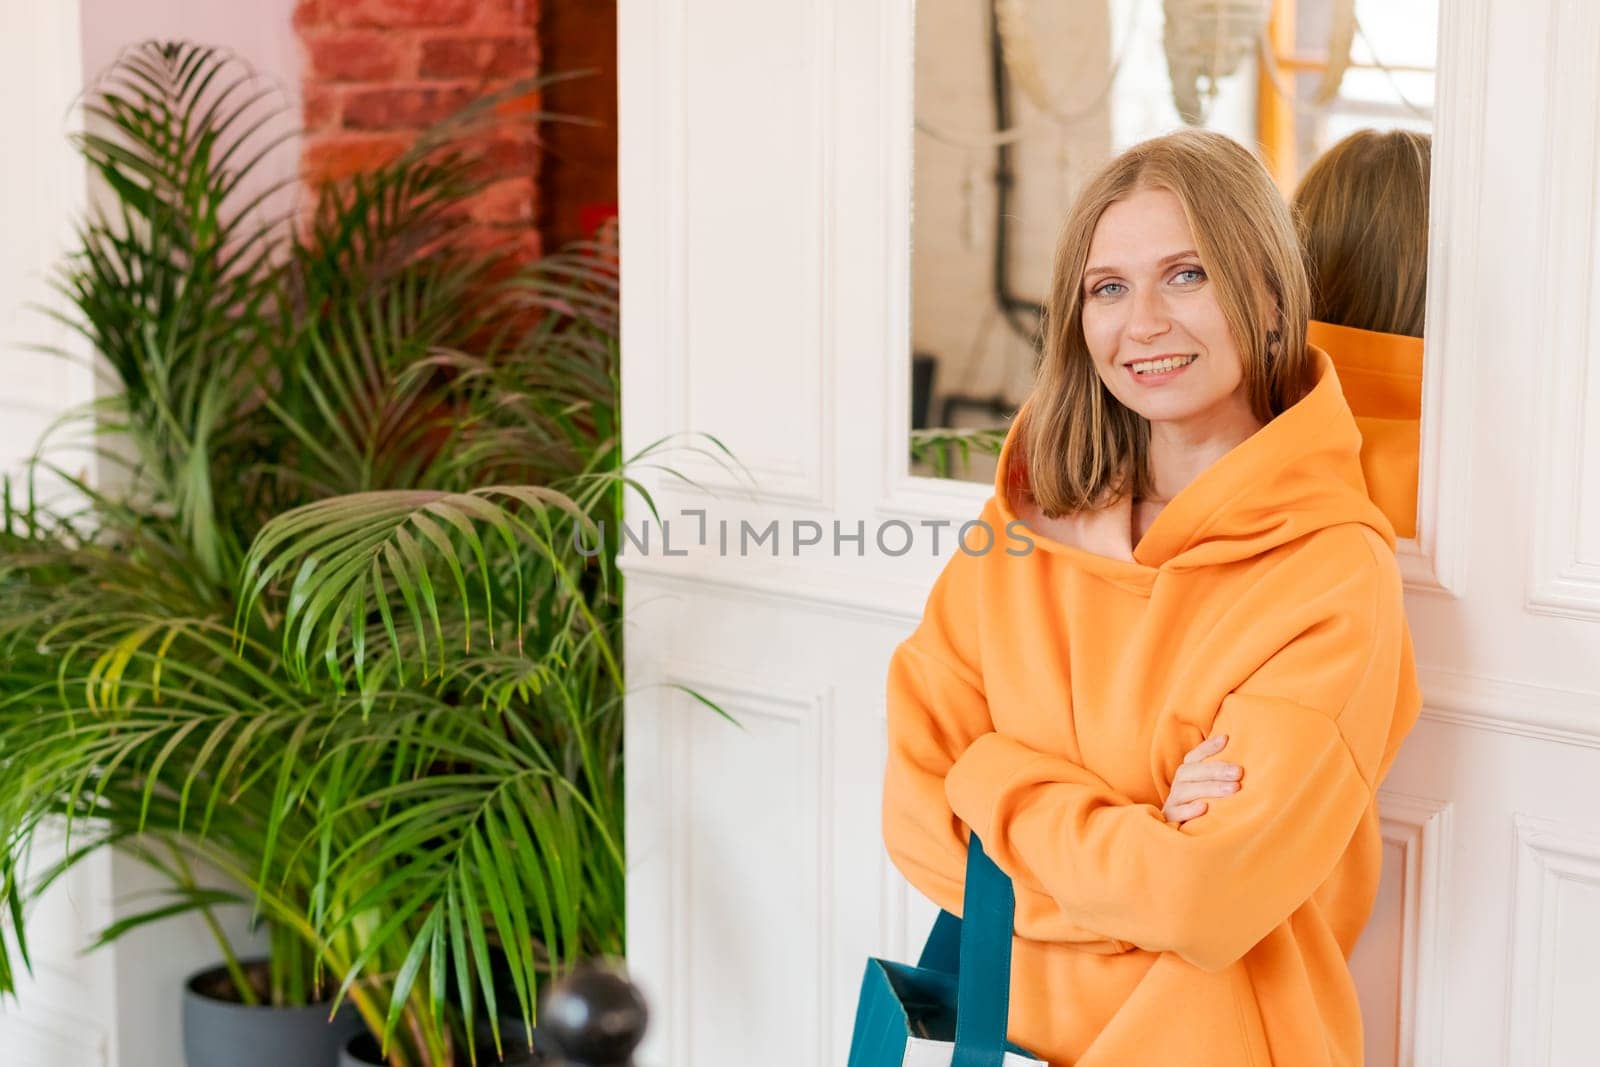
[{"x": 594, "y": 1017}]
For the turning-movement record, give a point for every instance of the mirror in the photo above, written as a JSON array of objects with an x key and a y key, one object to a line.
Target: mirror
[{"x": 1018, "y": 102}]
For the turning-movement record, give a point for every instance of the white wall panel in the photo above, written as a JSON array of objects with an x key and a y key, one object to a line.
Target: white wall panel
[
  {"x": 50, "y": 1038},
  {"x": 753, "y": 84},
  {"x": 39, "y": 198},
  {"x": 63, "y": 1014},
  {"x": 786, "y": 803},
  {"x": 750, "y": 861},
  {"x": 1565, "y": 576},
  {"x": 1555, "y": 972},
  {"x": 1397, "y": 962}
]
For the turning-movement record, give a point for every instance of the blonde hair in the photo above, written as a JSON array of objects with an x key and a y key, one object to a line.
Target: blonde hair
[
  {"x": 1362, "y": 214},
  {"x": 1083, "y": 447}
]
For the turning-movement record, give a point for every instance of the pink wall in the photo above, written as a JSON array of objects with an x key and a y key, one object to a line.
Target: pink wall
[{"x": 260, "y": 31}]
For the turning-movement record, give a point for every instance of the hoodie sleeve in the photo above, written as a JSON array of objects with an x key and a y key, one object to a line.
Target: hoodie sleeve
[
  {"x": 936, "y": 710},
  {"x": 1313, "y": 727}
]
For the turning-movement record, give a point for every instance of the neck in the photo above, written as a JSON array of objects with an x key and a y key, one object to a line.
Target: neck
[{"x": 1180, "y": 451}]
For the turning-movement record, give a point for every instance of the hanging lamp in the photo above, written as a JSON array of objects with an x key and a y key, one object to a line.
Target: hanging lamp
[{"x": 1205, "y": 41}]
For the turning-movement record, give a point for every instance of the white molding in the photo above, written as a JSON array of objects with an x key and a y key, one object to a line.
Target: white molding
[
  {"x": 1560, "y": 583},
  {"x": 826, "y": 592},
  {"x": 808, "y": 480},
  {"x": 1547, "y": 853},
  {"x": 896, "y": 114},
  {"x": 1544, "y": 713},
  {"x": 1435, "y": 561},
  {"x": 812, "y": 713},
  {"x": 1421, "y": 827},
  {"x": 1562, "y": 716},
  {"x": 649, "y": 178}
]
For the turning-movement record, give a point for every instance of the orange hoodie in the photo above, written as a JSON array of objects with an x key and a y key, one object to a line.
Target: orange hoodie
[
  {"x": 1382, "y": 378},
  {"x": 1046, "y": 700}
]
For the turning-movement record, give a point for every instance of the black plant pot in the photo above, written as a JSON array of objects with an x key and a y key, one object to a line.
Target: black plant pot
[
  {"x": 362, "y": 1050},
  {"x": 223, "y": 1032}
]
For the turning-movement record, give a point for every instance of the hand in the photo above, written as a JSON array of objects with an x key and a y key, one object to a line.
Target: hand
[{"x": 1196, "y": 779}]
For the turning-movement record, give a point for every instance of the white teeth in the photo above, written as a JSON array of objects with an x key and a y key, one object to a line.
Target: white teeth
[{"x": 1156, "y": 366}]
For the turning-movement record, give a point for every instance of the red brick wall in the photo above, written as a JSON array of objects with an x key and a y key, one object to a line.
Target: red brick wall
[{"x": 377, "y": 71}]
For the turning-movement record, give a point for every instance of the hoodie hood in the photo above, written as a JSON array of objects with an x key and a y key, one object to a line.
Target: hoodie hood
[
  {"x": 1298, "y": 474},
  {"x": 1382, "y": 378},
  {"x": 1379, "y": 373}
]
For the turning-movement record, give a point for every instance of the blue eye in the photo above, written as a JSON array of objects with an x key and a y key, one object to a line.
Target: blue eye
[
  {"x": 1105, "y": 289},
  {"x": 1196, "y": 271}
]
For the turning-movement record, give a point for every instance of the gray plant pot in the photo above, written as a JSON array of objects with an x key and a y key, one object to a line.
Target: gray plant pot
[
  {"x": 224, "y": 1033},
  {"x": 362, "y": 1049}
]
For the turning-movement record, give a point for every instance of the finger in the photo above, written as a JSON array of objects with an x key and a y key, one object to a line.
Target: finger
[
  {"x": 1194, "y": 790},
  {"x": 1209, "y": 747},
  {"x": 1187, "y": 791},
  {"x": 1210, "y": 771},
  {"x": 1185, "y": 812}
]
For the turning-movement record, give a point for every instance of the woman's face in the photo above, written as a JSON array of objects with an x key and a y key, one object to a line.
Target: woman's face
[{"x": 1149, "y": 305}]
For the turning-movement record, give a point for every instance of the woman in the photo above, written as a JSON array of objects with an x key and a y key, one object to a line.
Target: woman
[
  {"x": 1362, "y": 213},
  {"x": 1207, "y": 575}
]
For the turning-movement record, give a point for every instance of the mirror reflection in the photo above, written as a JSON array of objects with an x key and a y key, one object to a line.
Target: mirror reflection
[{"x": 1018, "y": 102}]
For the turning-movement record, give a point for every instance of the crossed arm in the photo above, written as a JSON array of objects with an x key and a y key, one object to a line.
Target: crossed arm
[{"x": 1096, "y": 869}]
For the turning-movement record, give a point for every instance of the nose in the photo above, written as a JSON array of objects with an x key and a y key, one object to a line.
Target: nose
[{"x": 1147, "y": 319}]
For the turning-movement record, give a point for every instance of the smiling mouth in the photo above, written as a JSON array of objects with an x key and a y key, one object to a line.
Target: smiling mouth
[{"x": 1161, "y": 364}]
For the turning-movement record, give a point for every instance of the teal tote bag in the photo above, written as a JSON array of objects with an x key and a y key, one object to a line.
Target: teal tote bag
[{"x": 951, "y": 1009}]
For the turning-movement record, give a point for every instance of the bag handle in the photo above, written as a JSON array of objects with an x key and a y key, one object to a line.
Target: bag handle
[{"x": 983, "y": 991}]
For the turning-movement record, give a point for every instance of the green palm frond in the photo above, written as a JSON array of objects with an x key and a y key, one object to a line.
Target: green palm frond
[
  {"x": 169, "y": 283},
  {"x": 355, "y": 564}
]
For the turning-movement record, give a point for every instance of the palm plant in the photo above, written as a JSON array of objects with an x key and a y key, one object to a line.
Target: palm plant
[{"x": 327, "y": 626}]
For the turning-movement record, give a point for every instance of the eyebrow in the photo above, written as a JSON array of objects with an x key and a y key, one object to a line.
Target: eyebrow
[{"x": 1187, "y": 253}]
